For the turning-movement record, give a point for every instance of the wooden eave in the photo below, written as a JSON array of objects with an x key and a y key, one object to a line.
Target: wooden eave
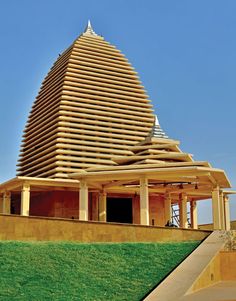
[
  {"x": 154, "y": 140},
  {"x": 16, "y": 183},
  {"x": 167, "y": 155},
  {"x": 155, "y": 173}
]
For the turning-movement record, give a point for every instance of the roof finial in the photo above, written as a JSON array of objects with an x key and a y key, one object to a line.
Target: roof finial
[{"x": 89, "y": 29}]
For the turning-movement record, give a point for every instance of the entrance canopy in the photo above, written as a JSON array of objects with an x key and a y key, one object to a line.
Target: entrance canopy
[
  {"x": 175, "y": 183},
  {"x": 197, "y": 179}
]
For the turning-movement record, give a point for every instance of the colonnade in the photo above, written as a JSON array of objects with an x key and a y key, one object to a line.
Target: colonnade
[
  {"x": 5, "y": 201},
  {"x": 220, "y": 205}
]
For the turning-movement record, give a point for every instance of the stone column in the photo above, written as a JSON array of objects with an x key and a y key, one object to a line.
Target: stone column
[
  {"x": 222, "y": 211},
  {"x": 216, "y": 214},
  {"x": 25, "y": 199},
  {"x": 83, "y": 201},
  {"x": 144, "y": 202},
  {"x": 1, "y": 203},
  {"x": 193, "y": 212},
  {"x": 227, "y": 212},
  {"x": 102, "y": 207},
  {"x": 183, "y": 210},
  {"x": 167, "y": 208},
  {"x": 6, "y": 204}
]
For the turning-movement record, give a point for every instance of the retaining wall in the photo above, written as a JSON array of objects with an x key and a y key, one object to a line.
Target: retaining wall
[{"x": 13, "y": 227}]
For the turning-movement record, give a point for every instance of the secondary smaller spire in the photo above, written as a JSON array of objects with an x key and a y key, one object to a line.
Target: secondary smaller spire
[
  {"x": 89, "y": 29},
  {"x": 157, "y": 131}
]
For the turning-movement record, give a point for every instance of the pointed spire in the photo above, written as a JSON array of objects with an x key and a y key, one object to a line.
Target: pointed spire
[
  {"x": 157, "y": 131},
  {"x": 89, "y": 29}
]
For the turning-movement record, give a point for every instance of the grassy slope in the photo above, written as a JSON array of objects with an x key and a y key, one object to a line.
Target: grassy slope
[{"x": 73, "y": 271}]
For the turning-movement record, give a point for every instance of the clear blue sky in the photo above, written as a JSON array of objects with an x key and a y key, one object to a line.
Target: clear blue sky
[{"x": 184, "y": 51}]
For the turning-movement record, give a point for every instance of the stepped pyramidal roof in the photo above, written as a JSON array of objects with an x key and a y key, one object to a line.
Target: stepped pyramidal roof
[{"x": 92, "y": 111}]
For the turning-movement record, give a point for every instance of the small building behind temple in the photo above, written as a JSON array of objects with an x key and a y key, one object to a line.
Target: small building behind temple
[{"x": 92, "y": 149}]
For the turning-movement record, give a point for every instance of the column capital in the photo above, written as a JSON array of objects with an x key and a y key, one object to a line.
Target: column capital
[
  {"x": 183, "y": 195},
  {"x": 167, "y": 195},
  {"x": 83, "y": 183},
  {"x": 25, "y": 186},
  {"x": 216, "y": 187},
  {"x": 6, "y": 194},
  {"x": 226, "y": 198},
  {"x": 103, "y": 191}
]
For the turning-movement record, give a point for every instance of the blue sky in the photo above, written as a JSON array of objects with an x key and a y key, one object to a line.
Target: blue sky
[{"x": 184, "y": 52}]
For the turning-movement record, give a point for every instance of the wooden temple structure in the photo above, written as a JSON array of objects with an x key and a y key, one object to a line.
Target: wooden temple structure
[{"x": 93, "y": 149}]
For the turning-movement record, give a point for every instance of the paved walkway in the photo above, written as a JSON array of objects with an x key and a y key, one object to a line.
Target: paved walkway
[
  {"x": 221, "y": 291},
  {"x": 180, "y": 281}
]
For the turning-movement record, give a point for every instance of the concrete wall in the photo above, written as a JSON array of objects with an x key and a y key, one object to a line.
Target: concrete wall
[
  {"x": 228, "y": 265},
  {"x": 14, "y": 227},
  {"x": 221, "y": 268},
  {"x": 156, "y": 211},
  {"x": 65, "y": 204},
  {"x": 210, "y": 226},
  {"x": 210, "y": 275}
]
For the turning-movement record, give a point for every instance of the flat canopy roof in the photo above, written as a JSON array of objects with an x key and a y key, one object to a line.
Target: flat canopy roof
[
  {"x": 43, "y": 183},
  {"x": 216, "y": 176}
]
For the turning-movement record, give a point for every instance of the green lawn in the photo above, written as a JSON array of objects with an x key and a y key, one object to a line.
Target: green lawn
[{"x": 74, "y": 271}]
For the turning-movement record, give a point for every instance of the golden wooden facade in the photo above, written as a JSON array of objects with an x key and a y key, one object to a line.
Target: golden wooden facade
[
  {"x": 90, "y": 108},
  {"x": 92, "y": 130}
]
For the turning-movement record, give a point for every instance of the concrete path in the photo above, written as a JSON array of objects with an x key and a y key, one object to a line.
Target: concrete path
[{"x": 181, "y": 280}]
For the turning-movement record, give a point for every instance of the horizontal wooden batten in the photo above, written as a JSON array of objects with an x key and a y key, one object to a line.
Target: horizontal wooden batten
[
  {"x": 104, "y": 79},
  {"x": 69, "y": 114},
  {"x": 105, "y": 73},
  {"x": 27, "y": 149},
  {"x": 98, "y": 98},
  {"x": 54, "y": 106},
  {"x": 121, "y": 142},
  {"x": 80, "y": 47},
  {"x": 101, "y": 107},
  {"x": 39, "y": 135},
  {"x": 28, "y": 158},
  {"x": 43, "y": 124},
  {"x": 72, "y": 124},
  {"x": 83, "y": 53},
  {"x": 99, "y": 42},
  {"x": 101, "y": 134},
  {"x": 25, "y": 154},
  {"x": 123, "y": 116},
  {"x": 101, "y": 103},
  {"x": 91, "y": 90},
  {"x": 112, "y": 52},
  {"x": 93, "y": 60},
  {"x": 91, "y": 107},
  {"x": 97, "y": 147},
  {"x": 101, "y": 82},
  {"x": 97, "y": 87}
]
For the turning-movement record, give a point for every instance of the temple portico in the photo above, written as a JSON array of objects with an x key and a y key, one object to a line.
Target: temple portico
[
  {"x": 93, "y": 150},
  {"x": 152, "y": 191}
]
